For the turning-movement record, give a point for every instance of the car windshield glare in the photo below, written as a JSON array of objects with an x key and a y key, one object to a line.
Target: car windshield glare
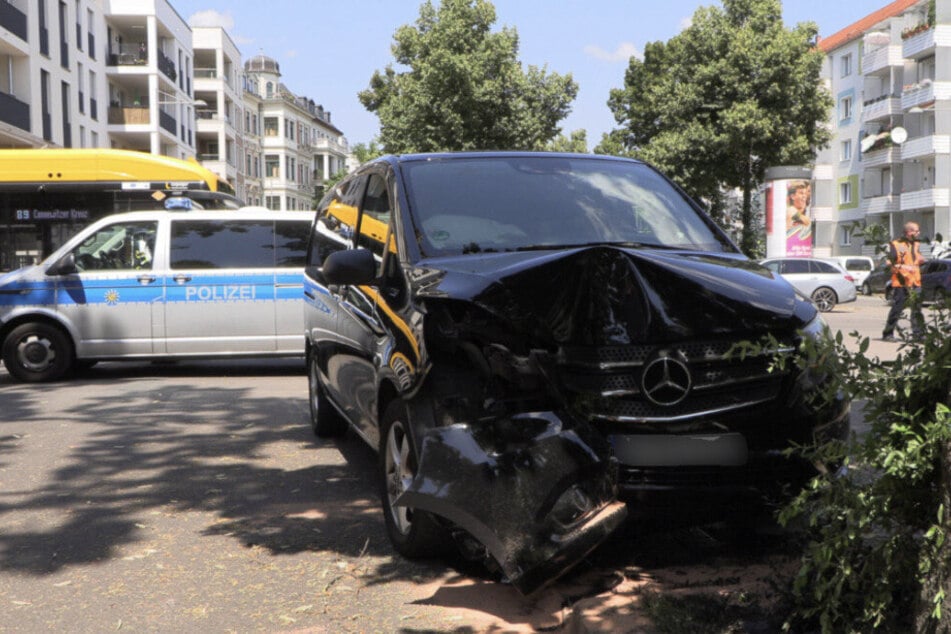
[{"x": 506, "y": 203}]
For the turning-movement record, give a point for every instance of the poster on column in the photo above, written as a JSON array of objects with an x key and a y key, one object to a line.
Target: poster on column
[
  {"x": 798, "y": 220},
  {"x": 788, "y": 218}
]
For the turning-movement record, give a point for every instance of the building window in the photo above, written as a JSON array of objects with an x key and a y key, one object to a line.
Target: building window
[
  {"x": 846, "y": 151},
  {"x": 845, "y": 236},
  {"x": 845, "y": 193},
  {"x": 272, "y": 202},
  {"x": 845, "y": 110},
  {"x": 270, "y": 126},
  {"x": 845, "y": 62},
  {"x": 272, "y": 166},
  {"x": 81, "y": 81}
]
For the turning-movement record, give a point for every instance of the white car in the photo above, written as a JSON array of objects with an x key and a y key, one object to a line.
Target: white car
[
  {"x": 826, "y": 283},
  {"x": 858, "y": 266}
]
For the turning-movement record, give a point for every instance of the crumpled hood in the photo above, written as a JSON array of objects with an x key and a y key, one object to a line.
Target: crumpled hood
[{"x": 614, "y": 296}]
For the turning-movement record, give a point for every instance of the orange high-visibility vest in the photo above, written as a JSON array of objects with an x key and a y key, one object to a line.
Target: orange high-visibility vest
[{"x": 905, "y": 267}]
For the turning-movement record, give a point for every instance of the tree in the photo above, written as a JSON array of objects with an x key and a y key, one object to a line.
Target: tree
[
  {"x": 365, "y": 152},
  {"x": 734, "y": 93},
  {"x": 576, "y": 142},
  {"x": 464, "y": 88}
]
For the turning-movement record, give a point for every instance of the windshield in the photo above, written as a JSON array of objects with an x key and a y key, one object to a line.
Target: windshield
[{"x": 508, "y": 203}]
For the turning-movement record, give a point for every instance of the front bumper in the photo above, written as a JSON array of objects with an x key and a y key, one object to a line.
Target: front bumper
[{"x": 538, "y": 495}]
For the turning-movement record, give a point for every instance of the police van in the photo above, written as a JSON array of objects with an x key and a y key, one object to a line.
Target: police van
[{"x": 159, "y": 285}]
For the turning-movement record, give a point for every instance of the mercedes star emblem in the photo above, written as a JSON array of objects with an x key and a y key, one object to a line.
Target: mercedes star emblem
[{"x": 666, "y": 380}]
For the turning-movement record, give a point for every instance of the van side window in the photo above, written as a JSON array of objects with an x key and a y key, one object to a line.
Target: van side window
[
  {"x": 336, "y": 219},
  {"x": 290, "y": 243},
  {"x": 222, "y": 244},
  {"x": 376, "y": 216},
  {"x": 118, "y": 247}
]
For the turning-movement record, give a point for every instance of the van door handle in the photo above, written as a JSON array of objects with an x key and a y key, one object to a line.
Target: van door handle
[
  {"x": 181, "y": 278},
  {"x": 146, "y": 279}
]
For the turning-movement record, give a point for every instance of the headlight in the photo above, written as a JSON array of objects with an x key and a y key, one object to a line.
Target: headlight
[{"x": 816, "y": 328}]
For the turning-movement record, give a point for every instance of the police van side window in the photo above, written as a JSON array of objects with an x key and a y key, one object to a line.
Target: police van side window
[
  {"x": 117, "y": 247},
  {"x": 290, "y": 243},
  {"x": 222, "y": 244}
]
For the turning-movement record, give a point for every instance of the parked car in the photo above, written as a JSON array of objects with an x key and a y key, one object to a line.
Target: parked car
[
  {"x": 826, "y": 283},
  {"x": 531, "y": 340},
  {"x": 879, "y": 280},
  {"x": 159, "y": 285},
  {"x": 858, "y": 266},
  {"x": 936, "y": 281}
]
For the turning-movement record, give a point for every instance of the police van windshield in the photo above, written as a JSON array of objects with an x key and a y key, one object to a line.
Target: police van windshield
[{"x": 505, "y": 203}]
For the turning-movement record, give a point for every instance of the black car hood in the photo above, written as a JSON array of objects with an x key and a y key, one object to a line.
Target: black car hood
[{"x": 607, "y": 295}]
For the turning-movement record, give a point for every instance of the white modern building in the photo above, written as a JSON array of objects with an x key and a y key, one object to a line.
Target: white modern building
[
  {"x": 889, "y": 161},
  {"x": 132, "y": 74}
]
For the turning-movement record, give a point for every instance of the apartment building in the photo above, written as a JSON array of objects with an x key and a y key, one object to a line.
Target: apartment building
[
  {"x": 218, "y": 103},
  {"x": 87, "y": 73},
  {"x": 300, "y": 145},
  {"x": 889, "y": 160},
  {"x": 132, "y": 74}
]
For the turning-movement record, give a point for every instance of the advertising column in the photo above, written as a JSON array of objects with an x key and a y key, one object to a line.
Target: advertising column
[{"x": 788, "y": 200}]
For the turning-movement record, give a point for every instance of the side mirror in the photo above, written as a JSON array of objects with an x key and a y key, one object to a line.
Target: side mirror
[
  {"x": 65, "y": 266},
  {"x": 350, "y": 266}
]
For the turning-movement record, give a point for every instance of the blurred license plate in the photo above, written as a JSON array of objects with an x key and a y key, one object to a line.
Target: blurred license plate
[{"x": 669, "y": 450}]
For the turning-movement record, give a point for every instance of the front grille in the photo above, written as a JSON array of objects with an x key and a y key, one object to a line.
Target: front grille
[{"x": 608, "y": 381}]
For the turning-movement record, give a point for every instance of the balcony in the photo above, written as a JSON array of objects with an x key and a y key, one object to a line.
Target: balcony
[
  {"x": 925, "y": 146},
  {"x": 330, "y": 145},
  {"x": 167, "y": 66},
  {"x": 167, "y": 122},
  {"x": 924, "y": 93},
  {"x": 14, "y": 111},
  {"x": 880, "y": 158},
  {"x": 120, "y": 115},
  {"x": 132, "y": 54},
  {"x": 13, "y": 20},
  {"x": 925, "y": 199},
  {"x": 881, "y": 59},
  {"x": 886, "y": 204},
  {"x": 923, "y": 44},
  {"x": 881, "y": 108}
]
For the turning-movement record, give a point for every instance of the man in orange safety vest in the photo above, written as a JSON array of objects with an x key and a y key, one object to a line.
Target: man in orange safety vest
[{"x": 904, "y": 256}]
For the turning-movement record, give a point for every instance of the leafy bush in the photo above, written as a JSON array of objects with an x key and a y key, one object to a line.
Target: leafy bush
[{"x": 874, "y": 521}]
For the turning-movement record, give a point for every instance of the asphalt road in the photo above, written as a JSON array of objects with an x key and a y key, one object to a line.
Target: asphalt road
[{"x": 194, "y": 497}]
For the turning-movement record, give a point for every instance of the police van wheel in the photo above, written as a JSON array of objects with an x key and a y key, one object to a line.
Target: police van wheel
[
  {"x": 324, "y": 419},
  {"x": 35, "y": 352}
]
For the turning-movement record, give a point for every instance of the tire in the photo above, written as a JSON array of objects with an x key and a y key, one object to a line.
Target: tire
[
  {"x": 414, "y": 534},
  {"x": 824, "y": 298},
  {"x": 324, "y": 419},
  {"x": 865, "y": 289},
  {"x": 35, "y": 352}
]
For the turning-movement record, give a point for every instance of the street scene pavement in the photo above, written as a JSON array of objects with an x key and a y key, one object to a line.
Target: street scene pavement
[{"x": 194, "y": 497}]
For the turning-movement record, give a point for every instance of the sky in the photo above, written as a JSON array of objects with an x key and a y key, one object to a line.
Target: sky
[{"x": 328, "y": 49}]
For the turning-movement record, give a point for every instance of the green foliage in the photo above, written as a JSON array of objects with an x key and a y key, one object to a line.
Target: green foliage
[
  {"x": 577, "y": 142},
  {"x": 464, "y": 88},
  {"x": 874, "y": 530},
  {"x": 366, "y": 152},
  {"x": 876, "y": 235},
  {"x": 732, "y": 94}
]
